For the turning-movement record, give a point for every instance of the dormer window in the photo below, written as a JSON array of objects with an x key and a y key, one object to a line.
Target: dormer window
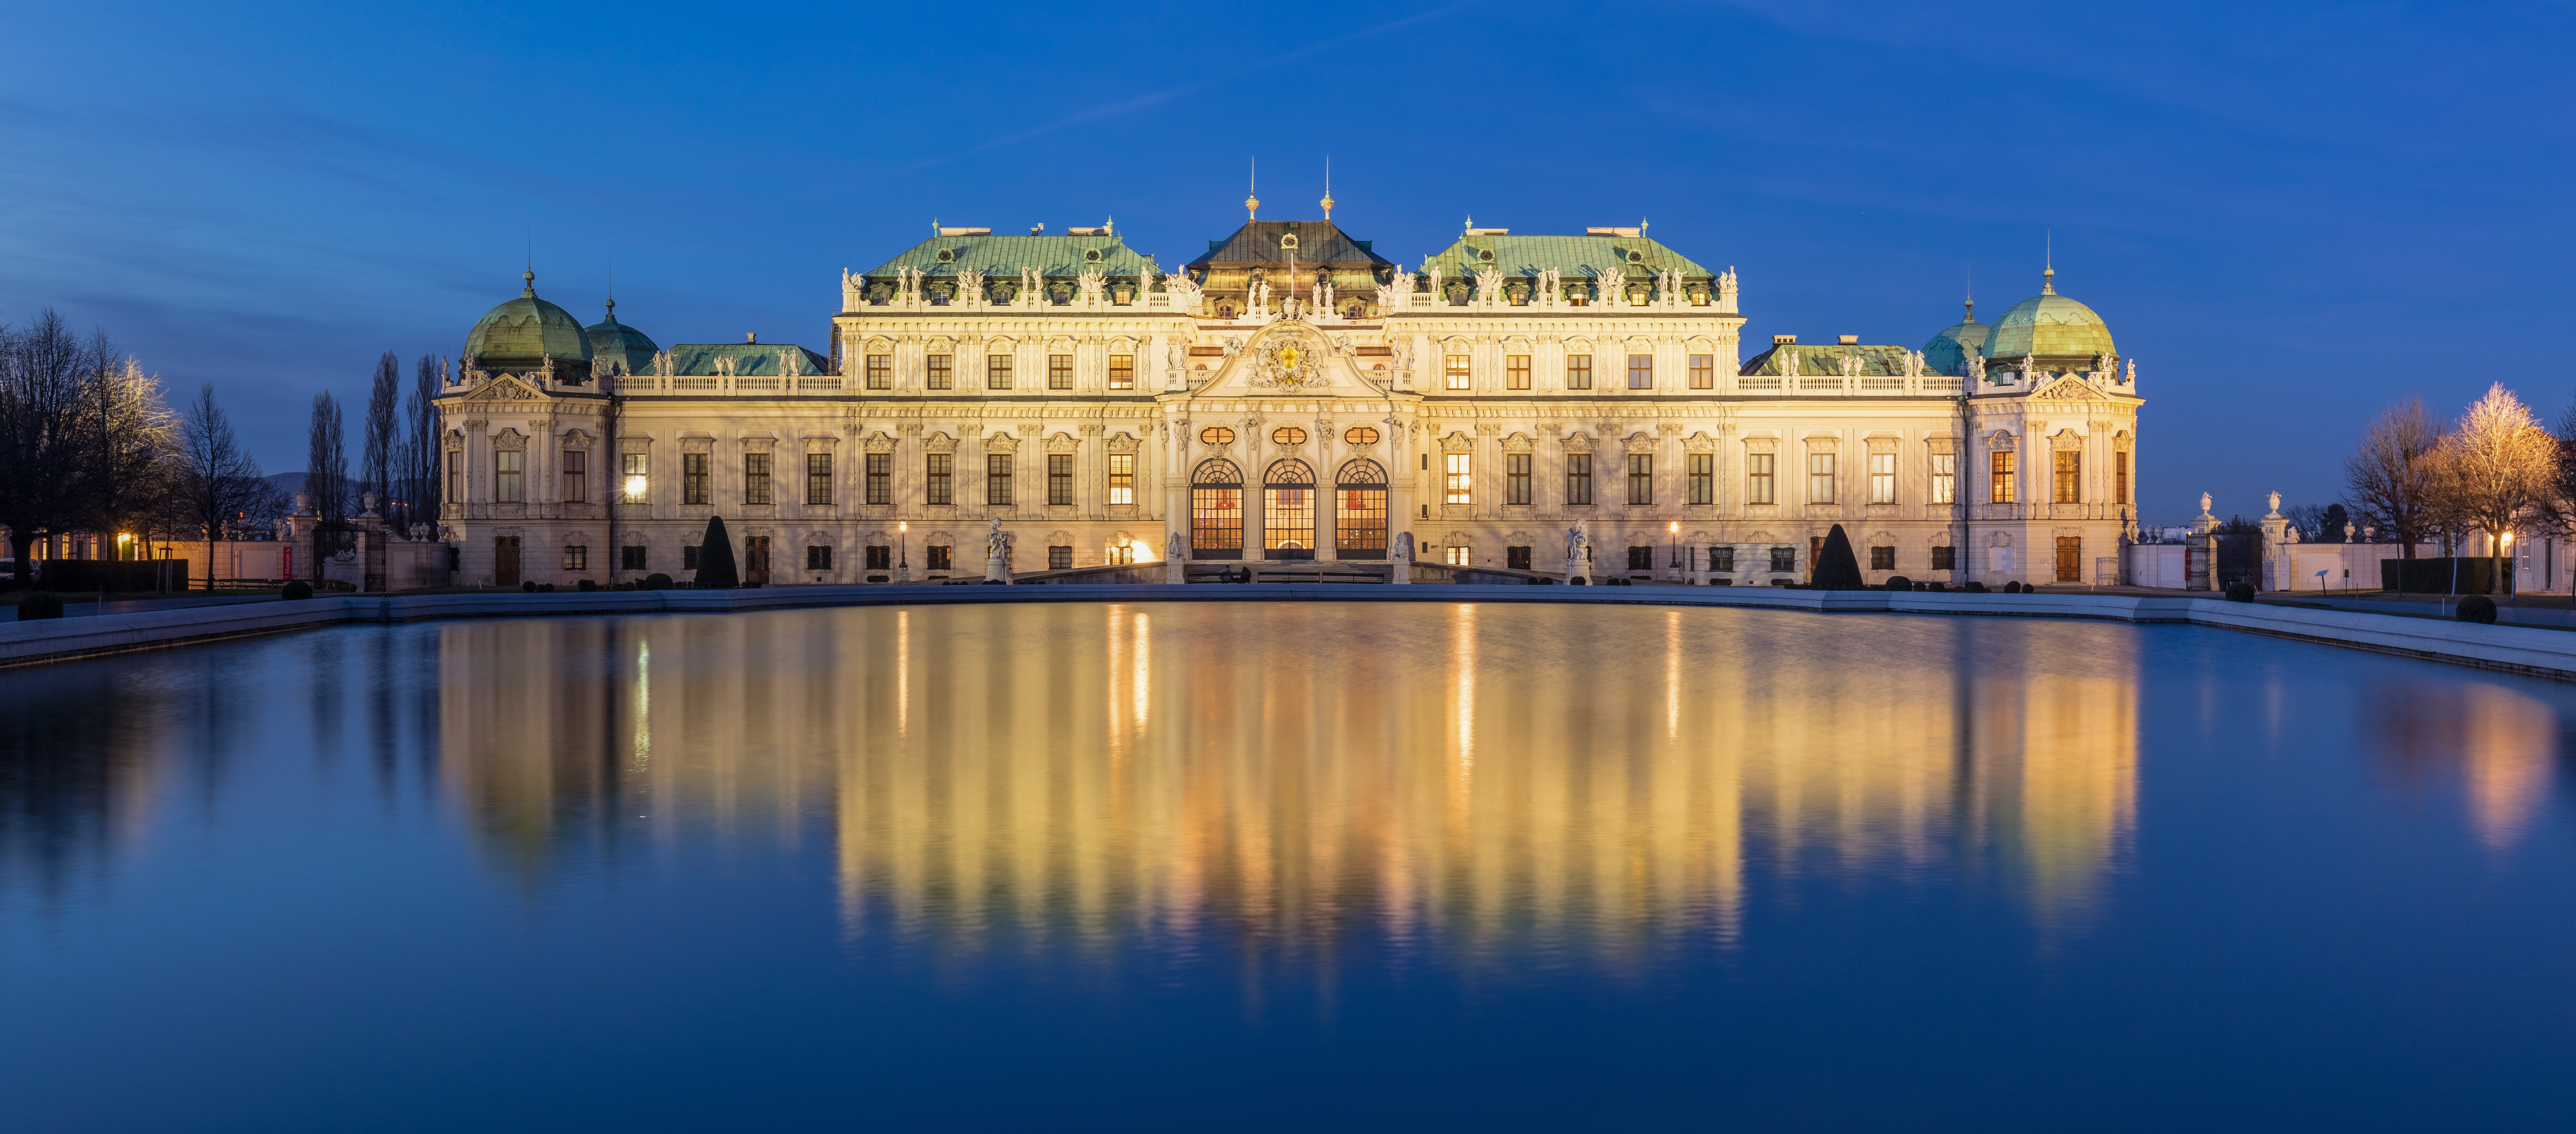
[
  {"x": 1288, "y": 240},
  {"x": 1485, "y": 254},
  {"x": 1091, "y": 255},
  {"x": 1636, "y": 257},
  {"x": 946, "y": 256}
]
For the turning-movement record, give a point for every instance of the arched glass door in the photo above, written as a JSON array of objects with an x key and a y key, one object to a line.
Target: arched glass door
[
  {"x": 1359, "y": 514},
  {"x": 1288, "y": 511},
  {"x": 1216, "y": 510}
]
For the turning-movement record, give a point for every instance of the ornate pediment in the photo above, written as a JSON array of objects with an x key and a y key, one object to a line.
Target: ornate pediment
[
  {"x": 506, "y": 388},
  {"x": 1061, "y": 442},
  {"x": 1123, "y": 443},
  {"x": 2069, "y": 389}
]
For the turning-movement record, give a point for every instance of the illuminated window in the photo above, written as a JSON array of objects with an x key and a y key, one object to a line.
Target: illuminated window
[
  {"x": 1641, "y": 372},
  {"x": 997, "y": 479},
  {"x": 1122, "y": 372},
  {"x": 1578, "y": 478},
  {"x": 1641, "y": 478},
  {"x": 1288, "y": 506},
  {"x": 1059, "y": 372},
  {"x": 1458, "y": 489},
  {"x": 1999, "y": 488},
  {"x": 938, "y": 484},
  {"x": 1059, "y": 479},
  {"x": 1882, "y": 478},
  {"x": 1516, "y": 478},
  {"x": 1516, "y": 372},
  {"x": 941, "y": 375},
  {"x": 1216, "y": 435},
  {"x": 1702, "y": 487},
  {"x": 1456, "y": 554},
  {"x": 1820, "y": 478},
  {"x": 755, "y": 478},
  {"x": 818, "y": 478},
  {"x": 1216, "y": 511},
  {"x": 576, "y": 476},
  {"x": 2120, "y": 477},
  {"x": 635, "y": 478},
  {"x": 1287, "y": 435},
  {"x": 1578, "y": 371},
  {"x": 1945, "y": 478},
  {"x": 1359, "y": 530},
  {"x": 880, "y": 478},
  {"x": 1361, "y": 435},
  {"x": 1460, "y": 376},
  {"x": 1122, "y": 478},
  {"x": 505, "y": 476},
  {"x": 1703, "y": 372},
  {"x": 881, "y": 372},
  {"x": 2069, "y": 465},
  {"x": 1757, "y": 478}
]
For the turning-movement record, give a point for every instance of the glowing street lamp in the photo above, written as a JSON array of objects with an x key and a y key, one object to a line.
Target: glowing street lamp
[
  {"x": 1674, "y": 531},
  {"x": 903, "y": 565}
]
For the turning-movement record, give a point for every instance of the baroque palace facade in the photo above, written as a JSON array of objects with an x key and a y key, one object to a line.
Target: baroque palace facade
[{"x": 1291, "y": 396}]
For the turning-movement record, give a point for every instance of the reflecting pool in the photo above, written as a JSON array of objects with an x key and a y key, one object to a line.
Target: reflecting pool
[{"x": 1282, "y": 866}]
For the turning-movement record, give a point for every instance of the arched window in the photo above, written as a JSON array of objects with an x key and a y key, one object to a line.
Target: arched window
[
  {"x": 1359, "y": 515},
  {"x": 1216, "y": 510},
  {"x": 1288, "y": 511}
]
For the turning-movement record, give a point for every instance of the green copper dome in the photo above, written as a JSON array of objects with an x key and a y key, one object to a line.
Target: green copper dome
[
  {"x": 519, "y": 335},
  {"x": 1947, "y": 353},
  {"x": 620, "y": 349},
  {"x": 2055, "y": 328}
]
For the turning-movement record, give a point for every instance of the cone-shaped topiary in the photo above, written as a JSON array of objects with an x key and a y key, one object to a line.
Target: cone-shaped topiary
[
  {"x": 1837, "y": 569},
  {"x": 1899, "y": 583},
  {"x": 2476, "y": 608},
  {"x": 715, "y": 558}
]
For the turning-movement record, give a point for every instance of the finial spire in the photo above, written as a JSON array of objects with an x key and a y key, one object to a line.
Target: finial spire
[
  {"x": 1328, "y": 187},
  {"x": 529, "y": 279},
  {"x": 1252, "y": 193},
  {"x": 1971, "y": 294},
  {"x": 2048, "y": 278}
]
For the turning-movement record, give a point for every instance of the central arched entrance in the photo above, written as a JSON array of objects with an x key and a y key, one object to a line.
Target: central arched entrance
[
  {"x": 1216, "y": 510},
  {"x": 1288, "y": 510},
  {"x": 1359, "y": 512}
]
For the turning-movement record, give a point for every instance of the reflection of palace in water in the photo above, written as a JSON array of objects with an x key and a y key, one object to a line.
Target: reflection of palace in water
[{"x": 1453, "y": 774}]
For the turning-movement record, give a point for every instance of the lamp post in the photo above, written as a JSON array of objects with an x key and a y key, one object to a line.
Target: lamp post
[
  {"x": 1673, "y": 532},
  {"x": 903, "y": 565}
]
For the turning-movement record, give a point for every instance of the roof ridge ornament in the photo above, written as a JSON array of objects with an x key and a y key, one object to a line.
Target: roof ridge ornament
[
  {"x": 1252, "y": 193},
  {"x": 1328, "y": 187},
  {"x": 528, "y": 284}
]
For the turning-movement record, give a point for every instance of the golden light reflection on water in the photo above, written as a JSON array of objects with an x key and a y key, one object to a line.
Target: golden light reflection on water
[
  {"x": 1461, "y": 777},
  {"x": 2498, "y": 743}
]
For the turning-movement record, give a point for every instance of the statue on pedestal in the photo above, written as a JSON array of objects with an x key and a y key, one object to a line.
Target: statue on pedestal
[
  {"x": 997, "y": 554},
  {"x": 1578, "y": 554},
  {"x": 1401, "y": 559}
]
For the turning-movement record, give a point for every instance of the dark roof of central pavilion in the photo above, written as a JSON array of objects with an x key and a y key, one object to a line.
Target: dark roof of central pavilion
[{"x": 1318, "y": 242}]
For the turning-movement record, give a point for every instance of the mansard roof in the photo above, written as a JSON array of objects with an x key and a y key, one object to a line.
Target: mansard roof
[
  {"x": 1318, "y": 242},
  {"x": 1825, "y": 361},
  {"x": 749, "y": 359},
  {"x": 1004, "y": 256},
  {"x": 1574, "y": 256}
]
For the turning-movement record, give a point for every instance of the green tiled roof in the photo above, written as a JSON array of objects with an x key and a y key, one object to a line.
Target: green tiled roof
[
  {"x": 1947, "y": 353},
  {"x": 1002, "y": 257},
  {"x": 1822, "y": 361},
  {"x": 523, "y": 332},
  {"x": 751, "y": 360},
  {"x": 1576, "y": 257},
  {"x": 1318, "y": 242},
  {"x": 2051, "y": 326}
]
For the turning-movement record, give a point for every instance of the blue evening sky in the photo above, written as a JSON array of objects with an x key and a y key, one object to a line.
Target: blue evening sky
[{"x": 2289, "y": 215}]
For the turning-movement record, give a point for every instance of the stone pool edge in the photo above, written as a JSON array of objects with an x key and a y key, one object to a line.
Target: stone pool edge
[{"x": 2510, "y": 649}]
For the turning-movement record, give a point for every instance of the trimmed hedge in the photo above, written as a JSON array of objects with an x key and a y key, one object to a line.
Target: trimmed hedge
[{"x": 2476, "y": 608}]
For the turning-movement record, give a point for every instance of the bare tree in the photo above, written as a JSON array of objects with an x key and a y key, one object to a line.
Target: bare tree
[
  {"x": 420, "y": 447},
  {"x": 2500, "y": 469},
  {"x": 218, "y": 483},
  {"x": 2392, "y": 475},
  {"x": 126, "y": 436},
  {"x": 44, "y": 371},
  {"x": 384, "y": 402},
  {"x": 326, "y": 460}
]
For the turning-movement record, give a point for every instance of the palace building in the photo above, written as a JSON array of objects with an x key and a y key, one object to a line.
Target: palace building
[{"x": 1294, "y": 399}]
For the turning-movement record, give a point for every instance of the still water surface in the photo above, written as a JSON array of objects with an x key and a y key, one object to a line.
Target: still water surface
[{"x": 1273, "y": 866}]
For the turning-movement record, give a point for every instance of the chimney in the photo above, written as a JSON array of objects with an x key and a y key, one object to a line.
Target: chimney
[
  {"x": 751, "y": 336},
  {"x": 1851, "y": 340},
  {"x": 1784, "y": 340}
]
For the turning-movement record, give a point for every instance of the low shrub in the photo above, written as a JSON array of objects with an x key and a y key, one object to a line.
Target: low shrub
[
  {"x": 46, "y": 604},
  {"x": 298, "y": 589},
  {"x": 1976, "y": 587},
  {"x": 1899, "y": 583},
  {"x": 1936, "y": 585},
  {"x": 2013, "y": 587},
  {"x": 2475, "y": 608},
  {"x": 657, "y": 581},
  {"x": 528, "y": 586},
  {"x": 2240, "y": 591},
  {"x": 586, "y": 585}
]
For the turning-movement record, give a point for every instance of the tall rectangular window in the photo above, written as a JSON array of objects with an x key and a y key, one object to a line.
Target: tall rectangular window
[
  {"x": 505, "y": 476},
  {"x": 936, "y": 480},
  {"x": 1641, "y": 478},
  {"x": 576, "y": 557},
  {"x": 1458, "y": 487},
  {"x": 1703, "y": 478},
  {"x": 2120, "y": 477},
  {"x": 1882, "y": 478},
  {"x": 1059, "y": 372},
  {"x": 631, "y": 557},
  {"x": 941, "y": 375},
  {"x": 755, "y": 478},
  {"x": 1461, "y": 376},
  {"x": 997, "y": 479},
  {"x": 1703, "y": 371},
  {"x": 1059, "y": 479},
  {"x": 943, "y": 557},
  {"x": 997, "y": 372},
  {"x": 1578, "y": 478},
  {"x": 1820, "y": 478},
  {"x": 1784, "y": 559},
  {"x": 818, "y": 478},
  {"x": 2000, "y": 483},
  {"x": 1122, "y": 478},
  {"x": 1516, "y": 478},
  {"x": 635, "y": 477},
  {"x": 1945, "y": 478},
  {"x": 1721, "y": 559},
  {"x": 818, "y": 557},
  {"x": 881, "y": 372},
  {"x": 1945, "y": 558},
  {"x": 693, "y": 478},
  {"x": 1758, "y": 479},
  {"x": 1516, "y": 372},
  {"x": 456, "y": 475},
  {"x": 1578, "y": 372},
  {"x": 880, "y": 478},
  {"x": 1641, "y": 372},
  {"x": 1122, "y": 372},
  {"x": 576, "y": 476},
  {"x": 880, "y": 557},
  {"x": 1060, "y": 558},
  {"x": 2068, "y": 481}
]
